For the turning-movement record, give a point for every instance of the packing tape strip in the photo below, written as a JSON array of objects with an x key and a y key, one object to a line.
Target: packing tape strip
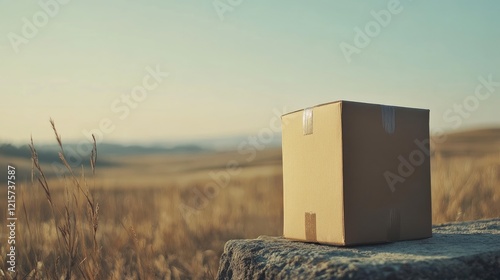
[
  {"x": 310, "y": 223},
  {"x": 394, "y": 227},
  {"x": 389, "y": 119},
  {"x": 307, "y": 121}
]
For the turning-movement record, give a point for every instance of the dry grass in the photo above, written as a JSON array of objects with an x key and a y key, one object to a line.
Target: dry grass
[
  {"x": 466, "y": 176},
  {"x": 143, "y": 228},
  {"x": 142, "y": 233},
  {"x": 465, "y": 188},
  {"x": 128, "y": 223}
]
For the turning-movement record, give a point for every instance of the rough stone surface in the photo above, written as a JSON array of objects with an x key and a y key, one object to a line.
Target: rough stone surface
[{"x": 467, "y": 250}]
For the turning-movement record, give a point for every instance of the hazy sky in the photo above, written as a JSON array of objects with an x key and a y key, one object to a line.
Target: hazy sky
[{"x": 230, "y": 63}]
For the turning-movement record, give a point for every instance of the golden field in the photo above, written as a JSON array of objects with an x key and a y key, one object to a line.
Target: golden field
[{"x": 168, "y": 216}]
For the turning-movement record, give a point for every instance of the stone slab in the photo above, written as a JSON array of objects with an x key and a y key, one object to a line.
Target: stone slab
[{"x": 465, "y": 250}]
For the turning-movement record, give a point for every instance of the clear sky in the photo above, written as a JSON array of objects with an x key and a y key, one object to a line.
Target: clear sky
[{"x": 230, "y": 63}]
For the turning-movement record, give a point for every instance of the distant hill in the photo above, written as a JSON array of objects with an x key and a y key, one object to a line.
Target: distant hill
[
  {"x": 475, "y": 142},
  {"x": 114, "y": 149},
  {"x": 24, "y": 152},
  {"x": 106, "y": 149},
  {"x": 45, "y": 155},
  {"x": 49, "y": 153}
]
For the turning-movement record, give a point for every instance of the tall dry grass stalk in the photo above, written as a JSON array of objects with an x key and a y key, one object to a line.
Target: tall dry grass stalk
[{"x": 76, "y": 218}]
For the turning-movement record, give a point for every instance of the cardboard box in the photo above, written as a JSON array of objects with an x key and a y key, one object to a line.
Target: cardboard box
[{"x": 356, "y": 173}]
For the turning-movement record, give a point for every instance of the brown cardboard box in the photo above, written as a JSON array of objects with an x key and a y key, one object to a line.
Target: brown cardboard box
[{"x": 356, "y": 173}]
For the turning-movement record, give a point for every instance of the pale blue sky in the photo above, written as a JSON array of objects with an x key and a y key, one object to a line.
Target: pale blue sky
[{"x": 226, "y": 76}]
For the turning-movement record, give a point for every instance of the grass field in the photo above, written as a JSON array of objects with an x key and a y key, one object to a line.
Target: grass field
[{"x": 168, "y": 217}]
